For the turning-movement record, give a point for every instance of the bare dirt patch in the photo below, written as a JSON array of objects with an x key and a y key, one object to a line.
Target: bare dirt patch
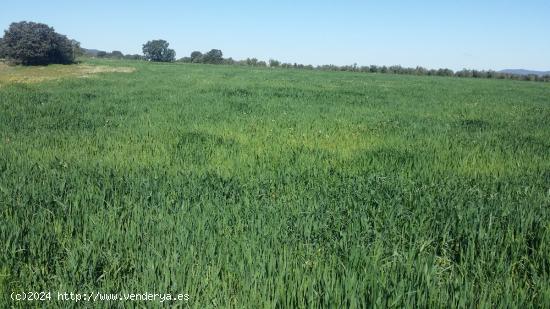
[{"x": 35, "y": 74}]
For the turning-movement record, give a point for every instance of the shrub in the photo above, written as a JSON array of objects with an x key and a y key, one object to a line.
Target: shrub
[{"x": 30, "y": 43}]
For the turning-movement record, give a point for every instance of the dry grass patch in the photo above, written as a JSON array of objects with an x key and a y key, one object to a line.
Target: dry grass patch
[{"x": 35, "y": 74}]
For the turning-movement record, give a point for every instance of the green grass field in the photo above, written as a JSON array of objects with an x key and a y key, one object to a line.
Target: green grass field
[{"x": 259, "y": 188}]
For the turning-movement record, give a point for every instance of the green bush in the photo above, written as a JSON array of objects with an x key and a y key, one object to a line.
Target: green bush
[
  {"x": 30, "y": 43},
  {"x": 157, "y": 50}
]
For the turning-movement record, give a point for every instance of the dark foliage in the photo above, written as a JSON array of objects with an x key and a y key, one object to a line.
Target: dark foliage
[
  {"x": 158, "y": 51},
  {"x": 274, "y": 63},
  {"x": 30, "y": 43},
  {"x": 101, "y": 54},
  {"x": 2, "y": 53},
  {"x": 196, "y": 57},
  {"x": 215, "y": 56},
  {"x": 117, "y": 54}
]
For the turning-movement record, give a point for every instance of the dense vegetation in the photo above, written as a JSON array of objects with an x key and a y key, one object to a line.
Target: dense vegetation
[
  {"x": 198, "y": 57},
  {"x": 215, "y": 56},
  {"x": 158, "y": 51},
  {"x": 249, "y": 187},
  {"x": 30, "y": 43},
  {"x": 115, "y": 54}
]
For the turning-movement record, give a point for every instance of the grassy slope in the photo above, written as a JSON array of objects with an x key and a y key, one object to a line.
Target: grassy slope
[{"x": 246, "y": 187}]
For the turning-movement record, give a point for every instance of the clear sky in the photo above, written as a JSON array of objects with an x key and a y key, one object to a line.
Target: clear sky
[{"x": 477, "y": 34}]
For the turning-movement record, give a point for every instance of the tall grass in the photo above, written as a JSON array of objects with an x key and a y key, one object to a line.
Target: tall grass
[{"x": 274, "y": 188}]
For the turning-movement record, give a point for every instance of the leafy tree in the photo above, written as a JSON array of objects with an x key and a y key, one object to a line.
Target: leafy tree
[
  {"x": 158, "y": 51},
  {"x": 274, "y": 63},
  {"x": 116, "y": 54},
  {"x": 215, "y": 56},
  {"x": 101, "y": 54},
  {"x": 252, "y": 61},
  {"x": 30, "y": 43},
  {"x": 196, "y": 57}
]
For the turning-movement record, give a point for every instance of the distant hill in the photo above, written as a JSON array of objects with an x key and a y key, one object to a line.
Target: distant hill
[{"x": 525, "y": 72}]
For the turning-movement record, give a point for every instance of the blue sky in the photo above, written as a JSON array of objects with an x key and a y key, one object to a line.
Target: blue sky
[{"x": 455, "y": 34}]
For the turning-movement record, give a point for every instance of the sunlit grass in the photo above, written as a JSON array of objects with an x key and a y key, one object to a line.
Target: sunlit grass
[
  {"x": 34, "y": 74},
  {"x": 259, "y": 188}
]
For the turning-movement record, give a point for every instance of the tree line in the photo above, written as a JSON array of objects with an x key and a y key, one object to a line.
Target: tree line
[
  {"x": 115, "y": 54},
  {"x": 396, "y": 69},
  {"x": 420, "y": 71},
  {"x": 30, "y": 43},
  {"x": 215, "y": 56}
]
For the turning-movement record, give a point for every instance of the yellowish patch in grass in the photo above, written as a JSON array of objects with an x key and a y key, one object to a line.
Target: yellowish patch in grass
[{"x": 36, "y": 74}]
